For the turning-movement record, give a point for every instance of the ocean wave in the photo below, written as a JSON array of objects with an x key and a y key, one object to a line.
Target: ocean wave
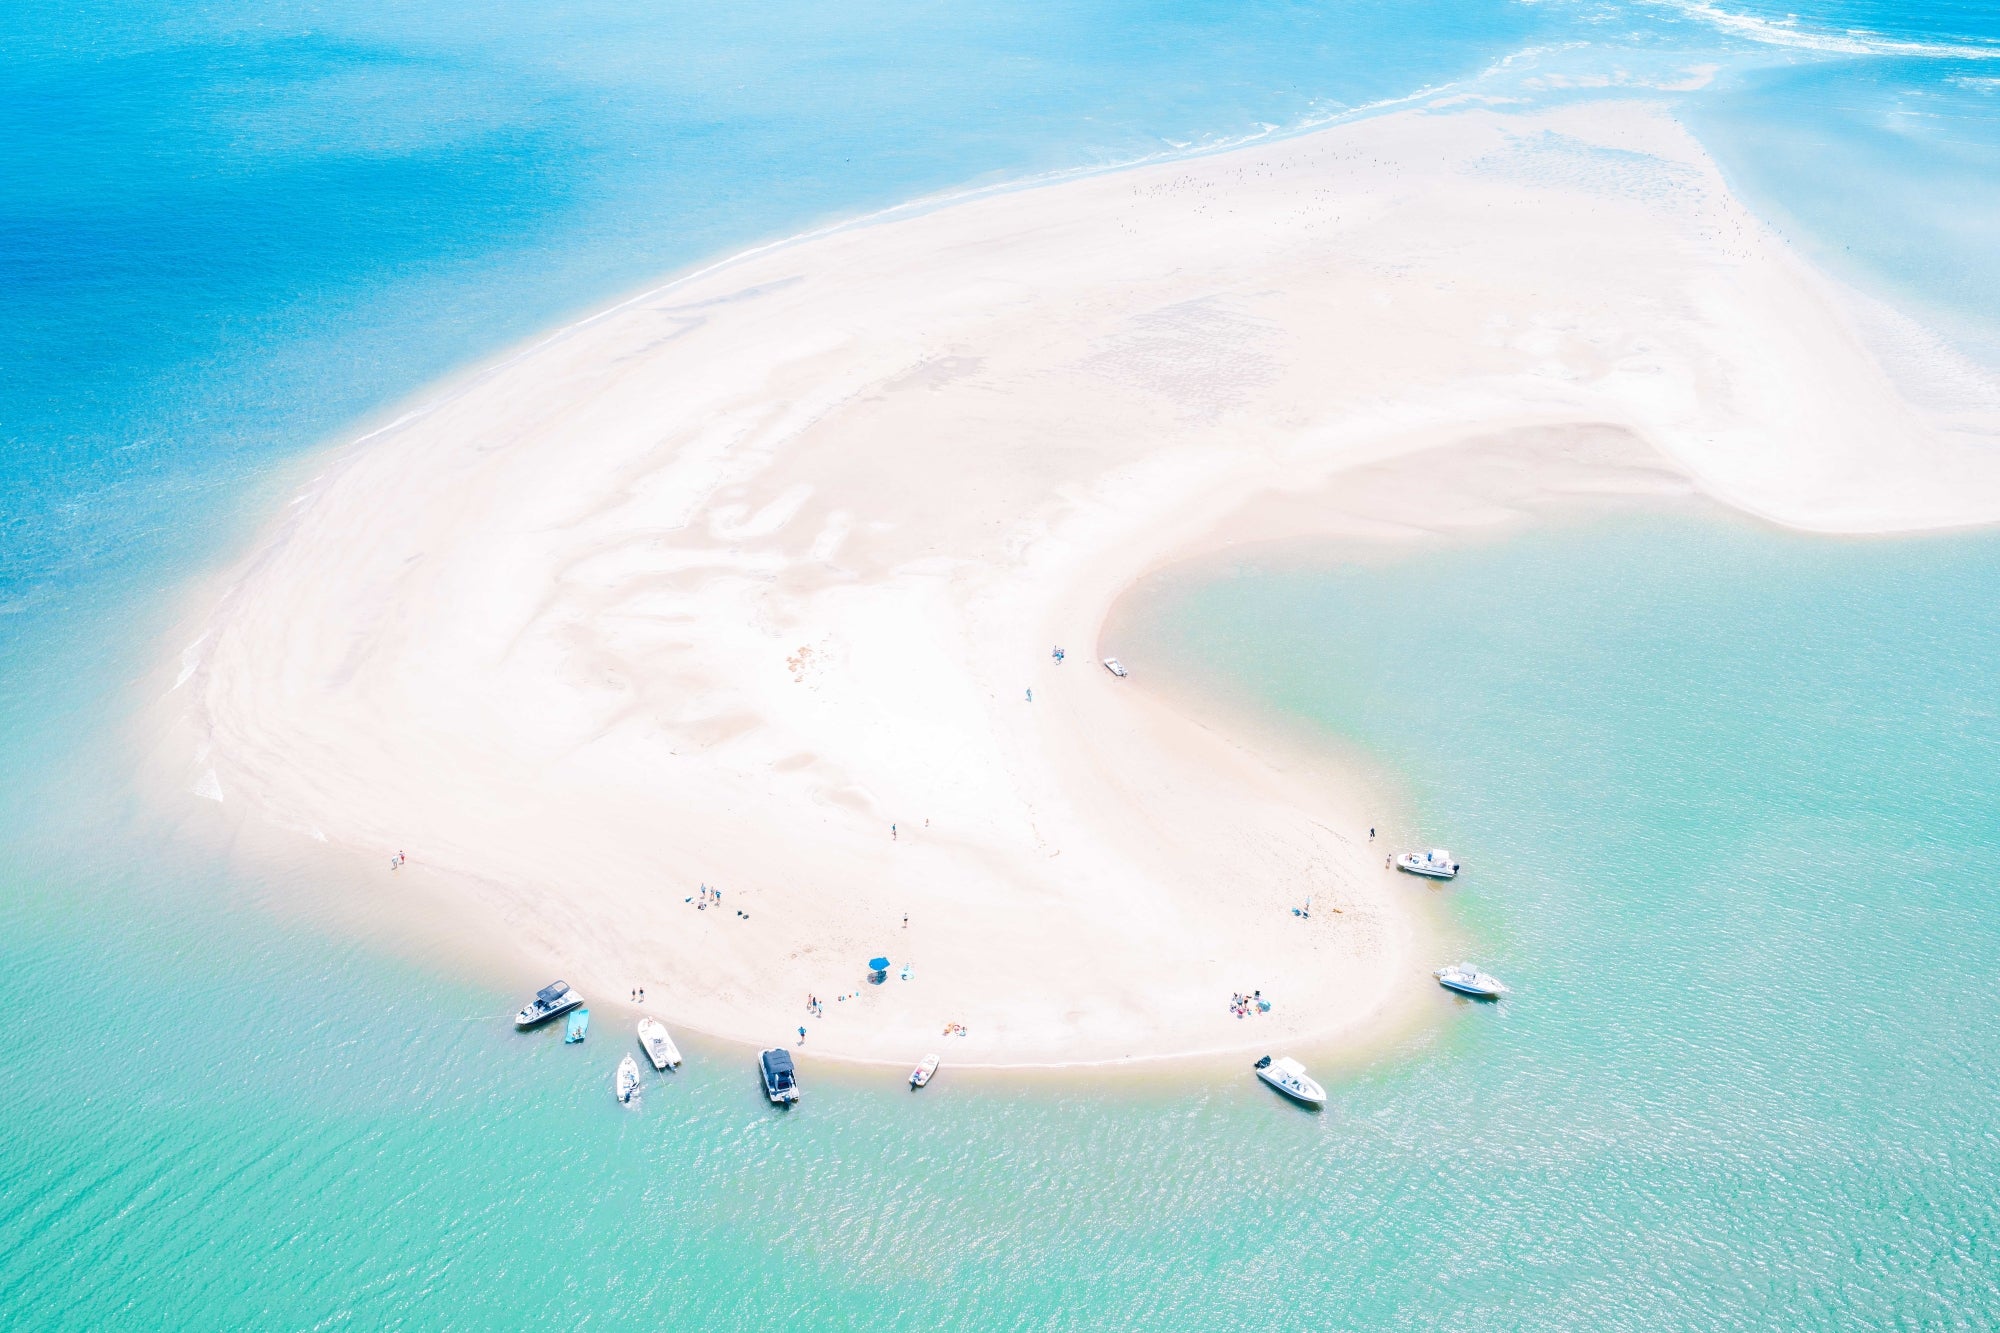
[{"x": 1787, "y": 32}]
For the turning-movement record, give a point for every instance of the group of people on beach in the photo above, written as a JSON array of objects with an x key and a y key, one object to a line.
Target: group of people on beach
[
  {"x": 1245, "y": 1005},
  {"x": 956, "y": 1030},
  {"x": 638, "y": 995},
  {"x": 705, "y": 897},
  {"x": 396, "y": 861}
]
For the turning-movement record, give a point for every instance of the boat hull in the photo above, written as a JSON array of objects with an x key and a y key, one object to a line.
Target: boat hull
[
  {"x": 1427, "y": 872},
  {"x": 658, "y": 1046},
  {"x": 534, "y": 1018},
  {"x": 781, "y": 1080},
  {"x": 1313, "y": 1096},
  {"x": 1476, "y": 992}
]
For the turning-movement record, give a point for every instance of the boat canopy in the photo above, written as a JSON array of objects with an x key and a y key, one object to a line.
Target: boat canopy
[
  {"x": 778, "y": 1062},
  {"x": 555, "y": 990}
]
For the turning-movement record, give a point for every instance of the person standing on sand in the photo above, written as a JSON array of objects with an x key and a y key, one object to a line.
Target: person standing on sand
[
  {"x": 906, "y": 921},
  {"x": 892, "y": 833},
  {"x": 802, "y": 1035}
]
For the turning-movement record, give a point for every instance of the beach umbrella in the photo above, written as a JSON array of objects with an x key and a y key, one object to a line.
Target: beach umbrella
[{"x": 878, "y": 965}]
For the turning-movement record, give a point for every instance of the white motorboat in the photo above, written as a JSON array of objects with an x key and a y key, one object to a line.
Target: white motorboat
[
  {"x": 1433, "y": 864},
  {"x": 1289, "y": 1077},
  {"x": 627, "y": 1082},
  {"x": 1469, "y": 980},
  {"x": 781, "y": 1080},
  {"x": 552, "y": 999},
  {"x": 659, "y": 1046},
  {"x": 1115, "y": 667},
  {"x": 925, "y": 1069}
]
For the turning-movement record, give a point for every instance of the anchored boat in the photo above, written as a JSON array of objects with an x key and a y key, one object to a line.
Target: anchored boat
[
  {"x": 659, "y": 1047},
  {"x": 1289, "y": 1077},
  {"x": 1433, "y": 864},
  {"x": 627, "y": 1082},
  {"x": 552, "y": 999},
  {"x": 1469, "y": 980},
  {"x": 923, "y": 1072},
  {"x": 579, "y": 1027},
  {"x": 781, "y": 1081}
]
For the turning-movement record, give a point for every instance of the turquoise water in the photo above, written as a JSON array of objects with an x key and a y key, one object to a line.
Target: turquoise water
[
  {"x": 228, "y": 232},
  {"x": 1724, "y": 795}
]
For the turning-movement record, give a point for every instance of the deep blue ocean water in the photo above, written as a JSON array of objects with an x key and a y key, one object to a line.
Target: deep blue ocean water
[{"x": 230, "y": 232}]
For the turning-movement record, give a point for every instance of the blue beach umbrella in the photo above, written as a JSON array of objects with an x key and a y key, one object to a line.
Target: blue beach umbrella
[{"x": 878, "y": 965}]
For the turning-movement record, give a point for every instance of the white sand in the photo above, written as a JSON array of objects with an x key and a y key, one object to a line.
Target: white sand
[{"x": 720, "y": 584}]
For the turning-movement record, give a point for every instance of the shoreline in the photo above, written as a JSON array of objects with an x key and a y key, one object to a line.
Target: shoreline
[{"x": 711, "y": 583}]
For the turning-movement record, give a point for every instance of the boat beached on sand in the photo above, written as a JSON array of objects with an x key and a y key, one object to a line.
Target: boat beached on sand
[
  {"x": 1289, "y": 1077},
  {"x": 659, "y": 1047},
  {"x": 926, "y": 1068},
  {"x": 1433, "y": 864},
  {"x": 1115, "y": 667},
  {"x": 1469, "y": 980},
  {"x": 781, "y": 1081},
  {"x": 627, "y": 1082},
  {"x": 552, "y": 999}
]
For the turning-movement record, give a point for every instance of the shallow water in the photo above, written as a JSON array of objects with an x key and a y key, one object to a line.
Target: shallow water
[
  {"x": 1728, "y": 763},
  {"x": 1722, "y": 794}
]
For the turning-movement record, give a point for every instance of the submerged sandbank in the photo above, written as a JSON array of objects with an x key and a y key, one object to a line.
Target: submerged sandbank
[{"x": 722, "y": 585}]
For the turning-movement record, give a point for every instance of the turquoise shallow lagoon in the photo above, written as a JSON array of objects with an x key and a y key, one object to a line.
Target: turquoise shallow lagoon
[{"x": 1726, "y": 796}]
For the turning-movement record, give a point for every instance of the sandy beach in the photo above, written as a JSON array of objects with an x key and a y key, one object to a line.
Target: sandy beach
[{"x": 748, "y": 581}]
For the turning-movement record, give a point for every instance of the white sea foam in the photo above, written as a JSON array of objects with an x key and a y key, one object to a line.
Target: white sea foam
[{"x": 1788, "y": 32}]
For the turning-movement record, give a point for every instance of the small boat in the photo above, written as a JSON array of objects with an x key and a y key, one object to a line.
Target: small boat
[
  {"x": 627, "y": 1082},
  {"x": 552, "y": 999},
  {"x": 1289, "y": 1077},
  {"x": 578, "y": 1028},
  {"x": 1433, "y": 864},
  {"x": 659, "y": 1047},
  {"x": 781, "y": 1081},
  {"x": 921, "y": 1075},
  {"x": 1115, "y": 667},
  {"x": 1469, "y": 980}
]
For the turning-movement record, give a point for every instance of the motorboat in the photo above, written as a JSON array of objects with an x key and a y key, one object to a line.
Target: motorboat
[
  {"x": 1433, "y": 864},
  {"x": 627, "y": 1082},
  {"x": 659, "y": 1047},
  {"x": 1469, "y": 980},
  {"x": 1289, "y": 1077},
  {"x": 781, "y": 1080},
  {"x": 552, "y": 999},
  {"x": 578, "y": 1027},
  {"x": 922, "y": 1074},
  {"x": 1115, "y": 667}
]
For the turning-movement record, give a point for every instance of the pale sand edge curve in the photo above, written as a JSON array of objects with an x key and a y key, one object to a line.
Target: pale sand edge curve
[{"x": 547, "y": 631}]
